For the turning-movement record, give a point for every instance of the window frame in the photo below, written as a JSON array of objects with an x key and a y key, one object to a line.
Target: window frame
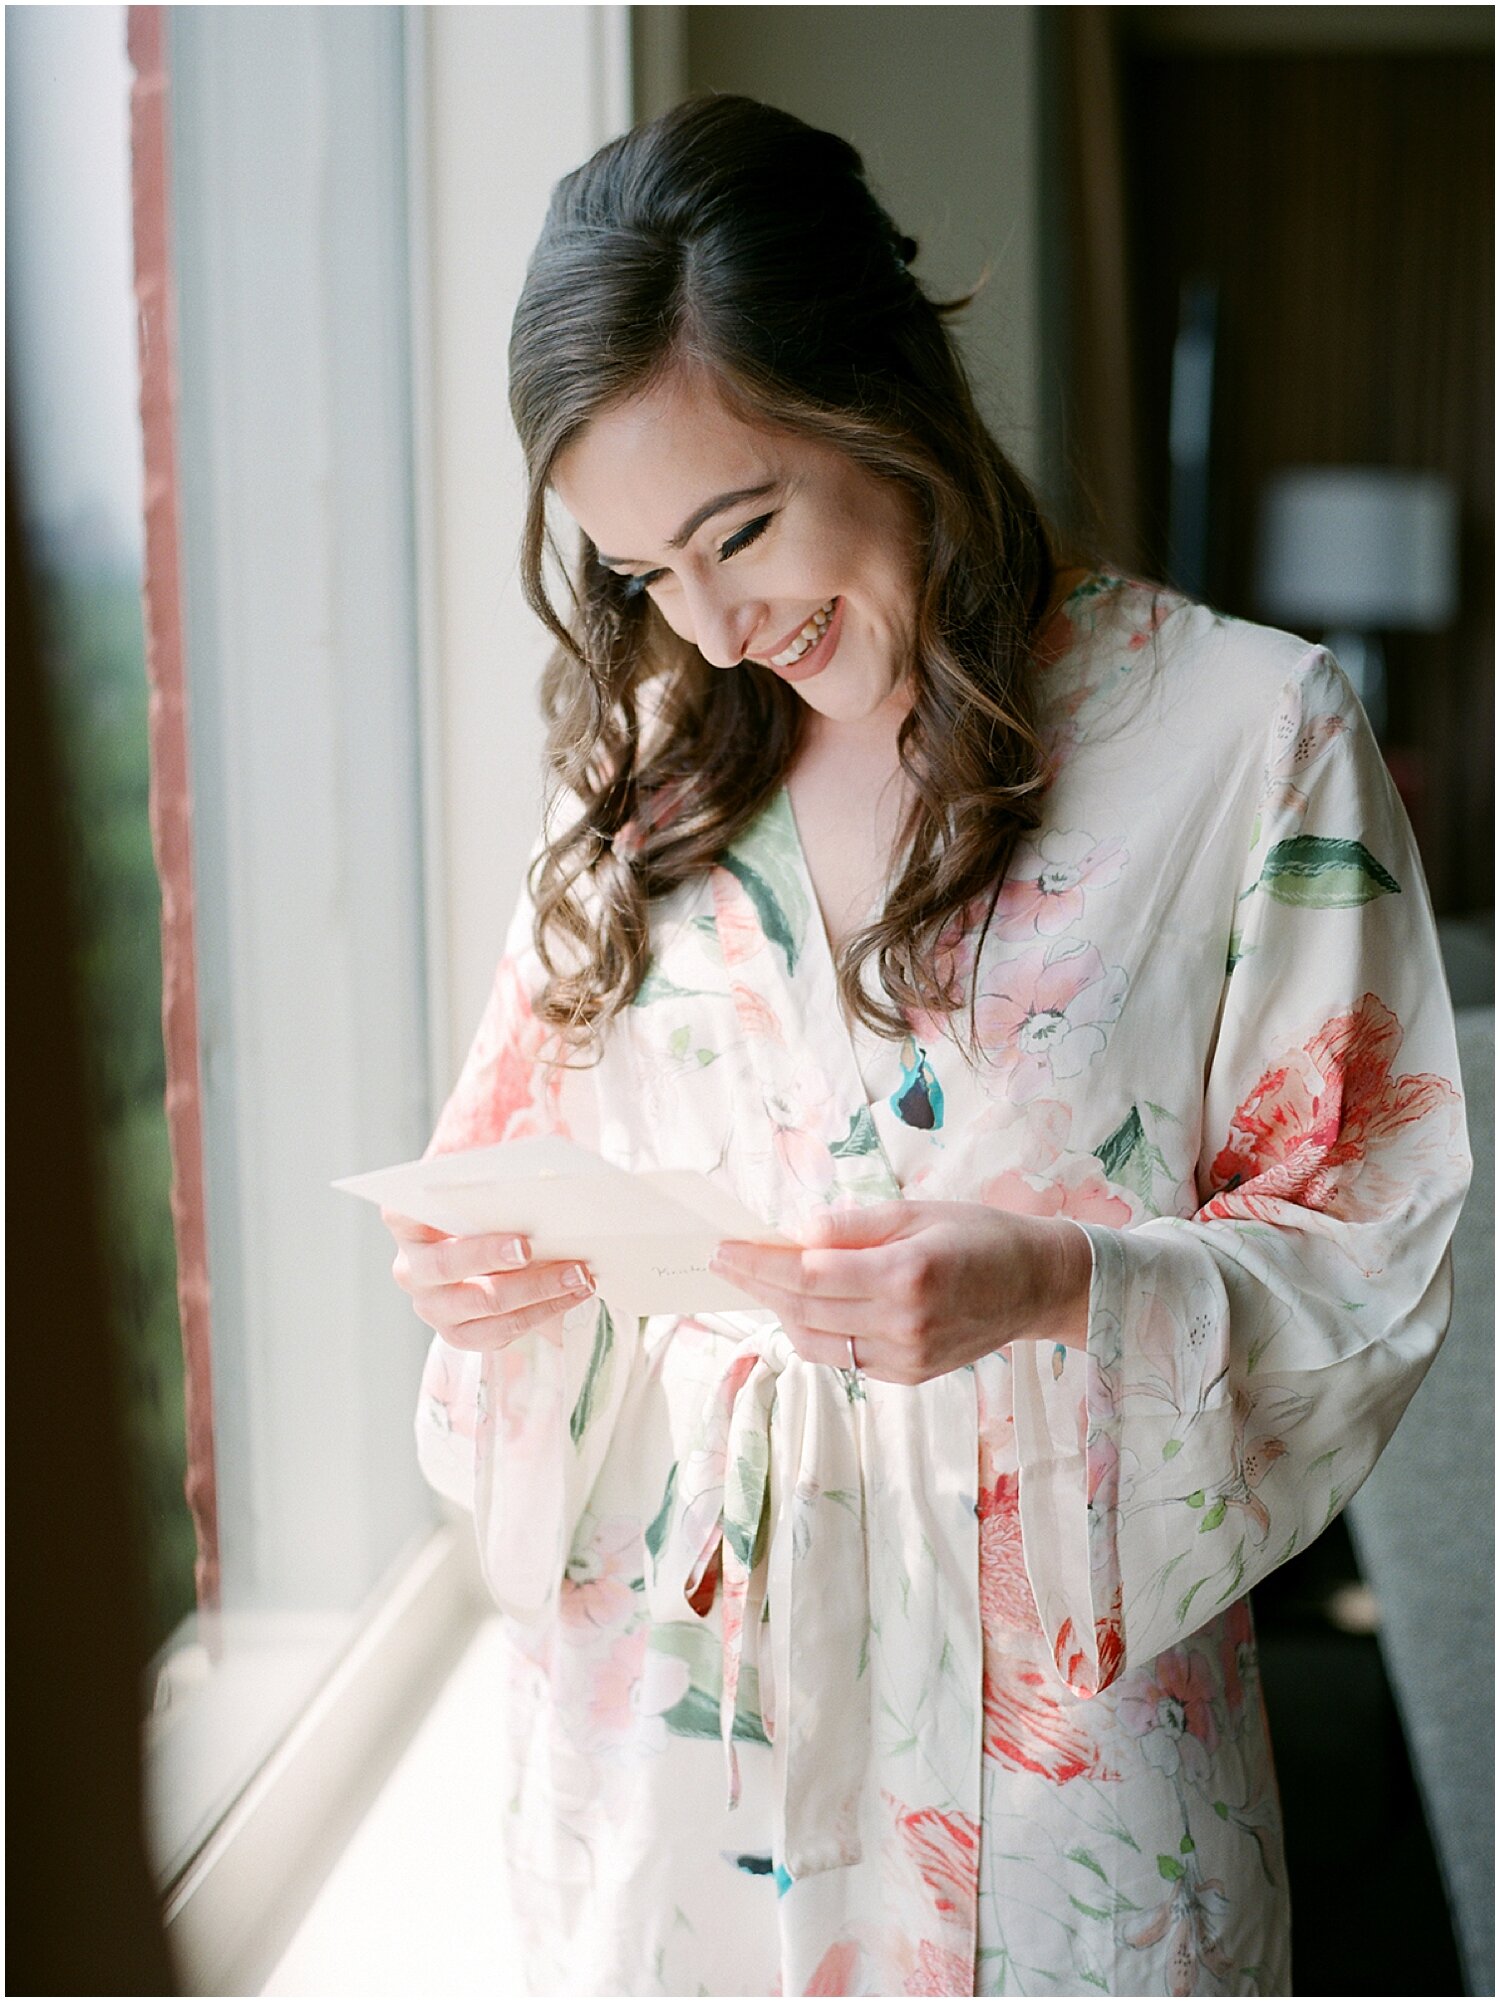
[{"x": 471, "y": 190}]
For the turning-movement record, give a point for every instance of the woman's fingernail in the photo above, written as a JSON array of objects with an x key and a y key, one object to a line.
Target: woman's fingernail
[
  {"x": 577, "y": 1279},
  {"x": 514, "y": 1252}
]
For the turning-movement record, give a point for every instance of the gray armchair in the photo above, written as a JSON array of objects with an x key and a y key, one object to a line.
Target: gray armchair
[{"x": 1423, "y": 1530}]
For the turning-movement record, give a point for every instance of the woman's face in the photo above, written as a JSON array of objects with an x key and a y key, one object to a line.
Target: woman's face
[{"x": 753, "y": 544}]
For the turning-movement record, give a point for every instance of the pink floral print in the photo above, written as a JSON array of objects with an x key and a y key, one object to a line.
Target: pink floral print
[
  {"x": 597, "y": 1588},
  {"x": 1048, "y": 876},
  {"x": 1195, "y": 1911},
  {"x": 1173, "y": 1714},
  {"x": 505, "y": 1092},
  {"x": 1048, "y": 1179},
  {"x": 1300, "y": 739},
  {"x": 1046, "y": 1015}
]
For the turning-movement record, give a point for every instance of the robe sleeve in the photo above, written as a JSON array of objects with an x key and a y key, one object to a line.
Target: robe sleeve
[
  {"x": 516, "y": 1435},
  {"x": 1246, "y": 1364}
]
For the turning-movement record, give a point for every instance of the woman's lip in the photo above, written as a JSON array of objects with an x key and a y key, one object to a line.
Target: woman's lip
[{"x": 816, "y": 658}]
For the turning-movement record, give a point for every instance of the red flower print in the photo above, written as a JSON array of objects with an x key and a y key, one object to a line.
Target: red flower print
[
  {"x": 837, "y": 1972},
  {"x": 1328, "y": 1128},
  {"x": 945, "y": 1848},
  {"x": 1006, "y": 1603},
  {"x": 1109, "y": 1649},
  {"x": 939, "y": 1971},
  {"x": 1030, "y": 1730},
  {"x": 505, "y": 1091}
]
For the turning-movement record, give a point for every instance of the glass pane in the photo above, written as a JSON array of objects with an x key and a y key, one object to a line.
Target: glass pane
[{"x": 72, "y": 363}]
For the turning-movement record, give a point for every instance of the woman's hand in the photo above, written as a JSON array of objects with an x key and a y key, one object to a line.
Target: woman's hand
[
  {"x": 922, "y": 1288},
  {"x": 482, "y": 1292}
]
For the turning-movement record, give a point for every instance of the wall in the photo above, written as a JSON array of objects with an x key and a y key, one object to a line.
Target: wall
[
  {"x": 945, "y": 104},
  {"x": 504, "y": 100}
]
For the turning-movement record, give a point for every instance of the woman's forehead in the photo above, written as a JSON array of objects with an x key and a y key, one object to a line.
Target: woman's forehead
[{"x": 640, "y": 470}]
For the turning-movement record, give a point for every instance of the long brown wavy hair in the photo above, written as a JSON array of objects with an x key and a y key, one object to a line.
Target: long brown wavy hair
[{"x": 730, "y": 237}]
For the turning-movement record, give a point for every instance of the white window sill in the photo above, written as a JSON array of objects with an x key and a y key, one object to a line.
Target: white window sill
[
  {"x": 243, "y": 1899},
  {"x": 416, "y": 1904}
]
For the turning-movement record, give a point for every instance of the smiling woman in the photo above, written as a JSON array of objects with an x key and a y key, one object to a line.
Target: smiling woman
[
  {"x": 807, "y": 557},
  {"x": 1109, "y": 1118}
]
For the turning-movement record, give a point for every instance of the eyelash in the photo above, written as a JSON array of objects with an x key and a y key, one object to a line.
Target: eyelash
[{"x": 635, "y": 587}]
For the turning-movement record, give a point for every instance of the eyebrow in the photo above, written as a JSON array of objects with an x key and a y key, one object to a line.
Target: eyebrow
[{"x": 696, "y": 519}]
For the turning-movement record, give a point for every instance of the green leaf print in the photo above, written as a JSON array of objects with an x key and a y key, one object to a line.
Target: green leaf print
[
  {"x": 696, "y": 1713},
  {"x": 1172, "y": 1448},
  {"x": 1319, "y": 873},
  {"x": 657, "y": 987},
  {"x": 656, "y": 1529},
  {"x": 594, "y": 1376},
  {"x": 1128, "y": 1157},
  {"x": 1188, "y": 1597},
  {"x": 1089, "y": 1862},
  {"x": 861, "y": 1138},
  {"x": 1213, "y": 1517},
  {"x": 1089, "y": 1911},
  {"x": 677, "y": 1042},
  {"x": 1187, "y": 1845},
  {"x": 745, "y": 1499},
  {"x": 1170, "y": 1868},
  {"x": 773, "y": 919},
  {"x": 766, "y": 859}
]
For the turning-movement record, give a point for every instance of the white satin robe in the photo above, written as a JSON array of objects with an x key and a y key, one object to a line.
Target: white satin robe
[{"x": 974, "y": 1661}]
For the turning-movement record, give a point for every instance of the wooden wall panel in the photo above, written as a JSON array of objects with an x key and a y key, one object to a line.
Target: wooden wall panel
[{"x": 1344, "y": 205}]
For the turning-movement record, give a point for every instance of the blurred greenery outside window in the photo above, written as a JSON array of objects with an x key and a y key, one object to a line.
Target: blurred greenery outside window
[
  {"x": 74, "y": 444},
  {"x": 95, "y": 653}
]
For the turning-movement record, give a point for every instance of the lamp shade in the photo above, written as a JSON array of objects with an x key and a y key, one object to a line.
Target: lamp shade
[{"x": 1358, "y": 547}]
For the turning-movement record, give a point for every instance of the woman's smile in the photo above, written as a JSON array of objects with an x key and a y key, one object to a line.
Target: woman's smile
[{"x": 810, "y": 648}]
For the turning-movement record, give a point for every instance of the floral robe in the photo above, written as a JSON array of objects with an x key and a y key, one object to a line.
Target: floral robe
[{"x": 826, "y": 1686}]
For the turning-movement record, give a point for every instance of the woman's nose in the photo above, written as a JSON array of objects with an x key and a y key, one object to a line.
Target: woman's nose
[{"x": 722, "y": 627}]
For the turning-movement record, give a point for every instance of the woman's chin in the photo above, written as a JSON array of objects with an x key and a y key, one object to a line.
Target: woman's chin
[{"x": 856, "y": 698}]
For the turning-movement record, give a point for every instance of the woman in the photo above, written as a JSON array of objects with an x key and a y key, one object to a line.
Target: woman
[{"x": 1049, "y": 958}]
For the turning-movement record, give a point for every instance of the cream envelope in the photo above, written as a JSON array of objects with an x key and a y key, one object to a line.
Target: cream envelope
[{"x": 647, "y": 1237}]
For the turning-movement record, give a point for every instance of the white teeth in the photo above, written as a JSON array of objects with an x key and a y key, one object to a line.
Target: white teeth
[{"x": 809, "y": 636}]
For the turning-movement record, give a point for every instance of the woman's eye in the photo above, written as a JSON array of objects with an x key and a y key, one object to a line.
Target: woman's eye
[
  {"x": 748, "y": 534},
  {"x": 636, "y": 587}
]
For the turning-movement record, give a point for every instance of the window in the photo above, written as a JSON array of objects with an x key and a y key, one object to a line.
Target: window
[
  {"x": 335, "y": 218},
  {"x": 286, "y": 216}
]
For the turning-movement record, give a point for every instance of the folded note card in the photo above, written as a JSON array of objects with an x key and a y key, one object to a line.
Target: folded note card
[{"x": 646, "y": 1236}]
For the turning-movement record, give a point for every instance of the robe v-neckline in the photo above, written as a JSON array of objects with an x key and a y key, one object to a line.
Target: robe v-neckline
[{"x": 791, "y": 979}]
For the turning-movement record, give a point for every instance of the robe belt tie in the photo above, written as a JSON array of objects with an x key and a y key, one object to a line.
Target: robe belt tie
[{"x": 772, "y": 1515}]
